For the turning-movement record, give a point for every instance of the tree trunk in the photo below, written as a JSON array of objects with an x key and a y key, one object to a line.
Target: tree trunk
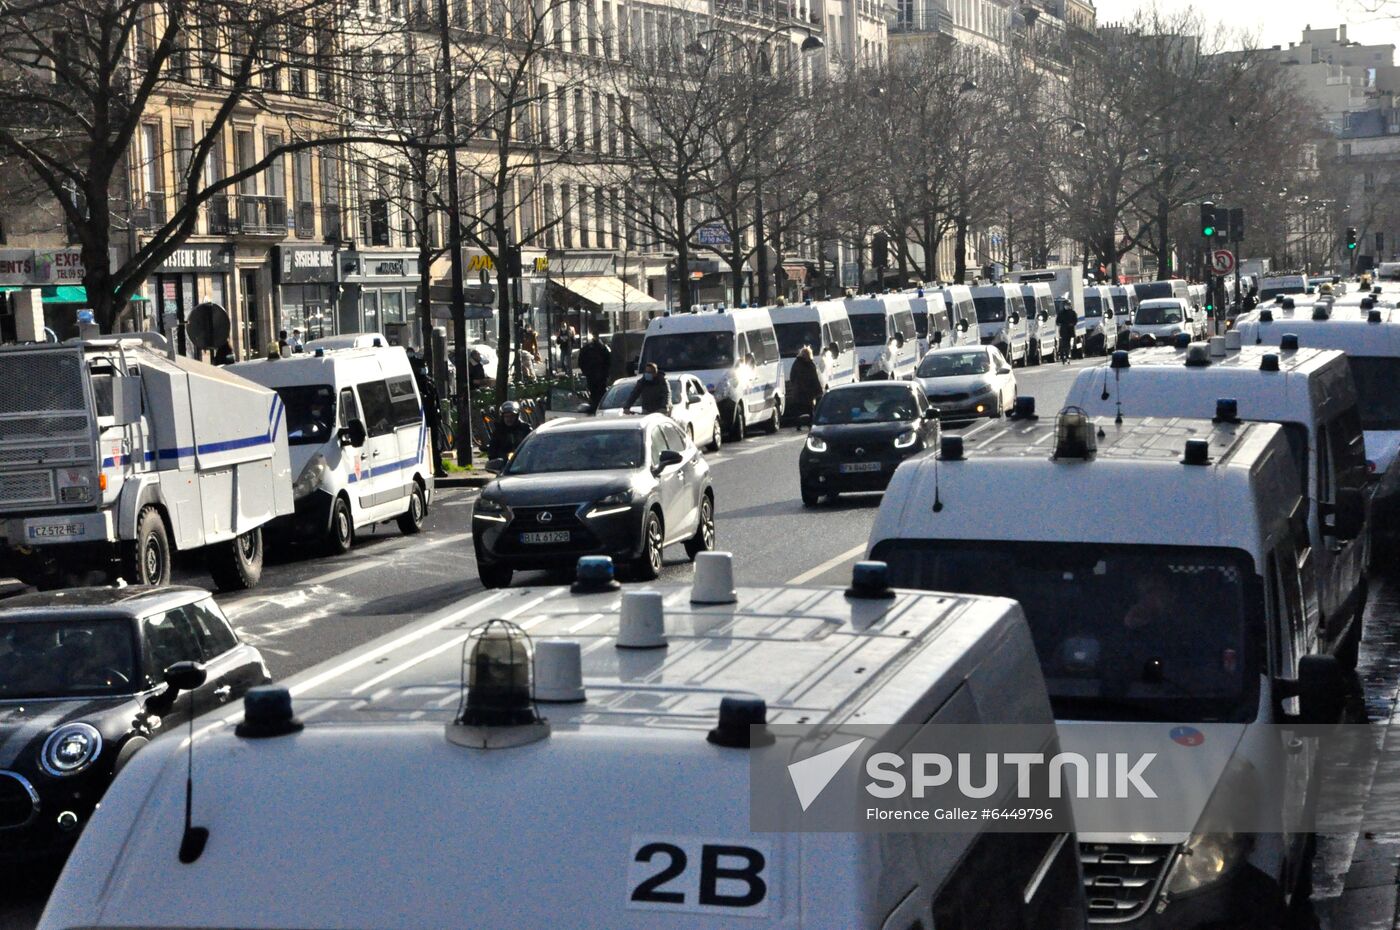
[
  {"x": 425, "y": 260},
  {"x": 960, "y": 251},
  {"x": 97, "y": 271},
  {"x": 930, "y": 251},
  {"x": 505, "y": 327},
  {"x": 682, "y": 256},
  {"x": 1164, "y": 258}
]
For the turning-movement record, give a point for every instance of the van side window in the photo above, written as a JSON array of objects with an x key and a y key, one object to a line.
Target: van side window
[
  {"x": 845, "y": 338},
  {"x": 378, "y": 408},
  {"x": 404, "y": 398},
  {"x": 349, "y": 407},
  {"x": 904, "y": 324},
  {"x": 767, "y": 346},
  {"x": 1283, "y": 626},
  {"x": 1348, "y": 450}
]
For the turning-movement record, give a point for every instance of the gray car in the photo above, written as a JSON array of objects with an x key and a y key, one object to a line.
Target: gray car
[{"x": 624, "y": 488}]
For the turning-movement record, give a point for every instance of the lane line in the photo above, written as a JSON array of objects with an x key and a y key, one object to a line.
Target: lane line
[
  {"x": 828, "y": 565},
  {"x": 345, "y": 572},
  {"x": 457, "y": 537}
]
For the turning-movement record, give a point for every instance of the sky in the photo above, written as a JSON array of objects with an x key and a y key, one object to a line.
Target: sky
[{"x": 1278, "y": 22}]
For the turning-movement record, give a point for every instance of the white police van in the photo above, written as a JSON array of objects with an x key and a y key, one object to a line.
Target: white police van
[
  {"x": 1369, "y": 334},
  {"x": 1177, "y": 627},
  {"x": 887, "y": 341},
  {"x": 618, "y": 797},
  {"x": 824, "y": 328},
  {"x": 1098, "y": 327},
  {"x": 1309, "y": 391},
  {"x": 1040, "y": 321},
  {"x": 735, "y": 355},
  {"x": 962, "y": 316},
  {"x": 1001, "y": 320},
  {"x": 357, "y": 435}
]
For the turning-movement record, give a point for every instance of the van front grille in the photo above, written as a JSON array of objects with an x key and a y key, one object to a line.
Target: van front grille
[{"x": 1121, "y": 880}]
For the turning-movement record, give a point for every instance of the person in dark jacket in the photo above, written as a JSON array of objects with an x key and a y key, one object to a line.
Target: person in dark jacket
[
  {"x": 432, "y": 409},
  {"x": 224, "y": 355},
  {"x": 1066, "y": 320},
  {"x": 651, "y": 393},
  {"x": 594, "y": 360},
  {"x": 509, "y": 434},
  {"x": 804, "y": 385}
]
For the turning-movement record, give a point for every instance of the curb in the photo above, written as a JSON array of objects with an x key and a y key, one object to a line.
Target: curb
[{"x": 465, "y": 481}]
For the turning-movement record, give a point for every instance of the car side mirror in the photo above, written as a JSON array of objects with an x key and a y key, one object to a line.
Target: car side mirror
[
  {"x": 931, "y": 413},
  {"x": 1015, "y": 317},
  {"x": 899, "y": 340},
  {"x": 668, "y": 458},
  {"x": 495, "y": 466},
  {"x": 583, "y": 408},
  {"x": 835, "y": 350},
  {"x": 1042, "y": 317},
  {"x": 354, "y": 434},
  {"x": 1003, "y": 370},
  {"x": 185, "y": 676},
  {"x": 1321, "y": 688},
  {"x": 1348, "y": 514},
  {"x": 962, "y": 325}
]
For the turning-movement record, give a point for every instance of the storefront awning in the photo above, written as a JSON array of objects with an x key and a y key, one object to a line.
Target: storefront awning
[
  {"x": 609, "y": 294},
  {"x": 64, "y": 293}
]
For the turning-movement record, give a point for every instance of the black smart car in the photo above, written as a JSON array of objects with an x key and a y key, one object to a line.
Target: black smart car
[
  {"x": 860, "y": 434},
  {"x": 89, "y": 676},
  {"x": 625, "y": 488}
]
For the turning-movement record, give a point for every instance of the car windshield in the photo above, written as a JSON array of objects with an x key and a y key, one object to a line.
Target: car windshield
[
  {"x": 67, "y": 658},
  {"x": 617, "y": 394},
  {"x": 954, "y": 364},
  {"x": 990, "y": 309},
  {"x": 1156, "y": 316},
  {"x": 310, "y": 413},
  {"x": 869, "y": 329},
  {"x": 1092, "y": 305},
  {"x": 1378, "y": 390},
  {"x": 577, "y": 450},
  {"x": 873, "y": 404},
  {"x": 1120, "y": 302},
  {"x": 701, "y": 351},
  {"x": 1149, "y": 633},
  {"x": 793, "y": 336}
]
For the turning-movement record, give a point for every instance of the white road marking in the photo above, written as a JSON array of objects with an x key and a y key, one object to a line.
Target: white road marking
[
  {"x": 456, "y": 537},
  {"x": 354, "y": 568},
  {"x": 828, "y": 565}
]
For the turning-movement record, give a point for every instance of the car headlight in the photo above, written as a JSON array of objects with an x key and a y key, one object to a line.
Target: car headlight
[
  {"x": 310, "y": 478},
  {"x": 618, "y": 502},
  {"x": 490, "y": 509},
  {"x": 906, "y": 439},
  {"x": 982, "y": 389},
  {"x": 1205, "y": 859},
  {"x": 74, "y": 486},
  {"x": 70, "y": 749},
  {"x": 816, "y": 444}
]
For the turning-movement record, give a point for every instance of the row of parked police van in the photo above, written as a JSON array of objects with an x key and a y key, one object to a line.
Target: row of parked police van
[
  {"x": 586, "y": 754},
  {"x": 744, "y": 356}
]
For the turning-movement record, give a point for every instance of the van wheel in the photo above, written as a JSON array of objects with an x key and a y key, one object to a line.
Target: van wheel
[
  {"x": 495, "y": 576},
  {"x": 411, "y": 520},
  {"x": 739, "y": 428},
  {"x": 704, "y": 538},
  {"x": 775, "y": 423},
  {"x": 147, "y": 559},
  {"x": 342, "y": 530},
  {"x": 648, "y": 567},
  {"x": 716, "y": 437},
  {"x": 237, "y": 565}
]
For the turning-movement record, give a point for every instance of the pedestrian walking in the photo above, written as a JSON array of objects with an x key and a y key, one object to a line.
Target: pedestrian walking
[
  {"x": 509, "y": 434},
  {"x": 295, "y": 342},
  {"x": 651, "y": 392},
  {"x": 804, "y": 385},
  {"x": 476, "y": 373},
  {"x": 594, "y": 360},
  {"x": 284, "y": 346},
  {"x": 224, "y": 354},
  {"x": 432, "y": 410},
  {"x": 1066, "y": 320}
]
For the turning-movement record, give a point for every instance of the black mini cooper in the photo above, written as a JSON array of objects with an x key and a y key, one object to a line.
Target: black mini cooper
[{"x": 89, "y": 676}]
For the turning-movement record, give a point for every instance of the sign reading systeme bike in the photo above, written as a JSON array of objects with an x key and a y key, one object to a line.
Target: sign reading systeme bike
[{"x": 1155, "y": 779}]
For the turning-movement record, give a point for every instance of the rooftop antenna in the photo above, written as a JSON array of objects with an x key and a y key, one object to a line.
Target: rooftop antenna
[{"x": 193, "y": 839}]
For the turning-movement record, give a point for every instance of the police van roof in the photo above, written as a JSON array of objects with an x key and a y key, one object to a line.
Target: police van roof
[
  {"x": 1173, "y": 502},
  {"x": 370, "y": 817},
  {"x": 1346, "y": 328},
  {"x": 710, "y": 320}
]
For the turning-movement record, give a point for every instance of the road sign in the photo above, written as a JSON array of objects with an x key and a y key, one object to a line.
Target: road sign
[
  {"x": 1222, "y": 261},
  {"x": 713, "y": 234}
]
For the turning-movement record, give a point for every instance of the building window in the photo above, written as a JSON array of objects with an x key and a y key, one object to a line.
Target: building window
[
  {"x": 583, "y": 218},
  {"x": 566, "y": 217},
  {"x": 551, "y": 217},
  {"x": 304, "y": 217}
]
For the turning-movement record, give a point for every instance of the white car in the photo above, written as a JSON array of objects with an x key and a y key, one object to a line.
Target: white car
[
  {"x": 692, "y": 406},
  {"x": 966, "y": 382}
]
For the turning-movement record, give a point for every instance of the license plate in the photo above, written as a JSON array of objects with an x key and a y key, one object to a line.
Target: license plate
[
  {"x": 56, "y": 530},
  {"x": 558, "y": 536},
  {"x": 852, "y": 468}
]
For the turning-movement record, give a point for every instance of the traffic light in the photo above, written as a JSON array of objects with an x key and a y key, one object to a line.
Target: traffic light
[
  {"x": 880, "y": 251},
  {"x": 1351, "y": 238},
  {"x": 1237, "y": 224},
  {"x": 1208, "y": 219}
]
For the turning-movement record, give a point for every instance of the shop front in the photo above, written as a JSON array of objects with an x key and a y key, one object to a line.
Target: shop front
[
  {"x": 306, "y": 289},
  {"x": 58, "y": 273},
  {"x": 191, "y": 275},
  {"x": 378, "y": 288}
]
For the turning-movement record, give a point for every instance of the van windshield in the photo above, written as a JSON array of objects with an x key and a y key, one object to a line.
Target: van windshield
[
  {"x": 1092, "y": 305},
  {"x": 1274, "y": 288},
  {"x": 1149, "y": 633},
  {"x": 793, "y": 336},
  {"x": 990, "y": 309},
  {"x": 1378, "y": 389},
  {"x": 310, "y": 413},
  {"x": 869, "y": 329},
  {"x": 1154, "y": 289},
  {"x": 1156, "y": 316},
  {"x": 699, "y": 351}
]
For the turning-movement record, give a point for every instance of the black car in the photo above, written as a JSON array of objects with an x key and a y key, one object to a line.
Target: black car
[
  {"x": 89, "y": 676},
  {"x": 860, "y": 434},
  {"x": 624, "y": 488}
]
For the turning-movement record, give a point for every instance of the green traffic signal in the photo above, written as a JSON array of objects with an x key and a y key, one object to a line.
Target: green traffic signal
[{"x": 1351, "y": 245}]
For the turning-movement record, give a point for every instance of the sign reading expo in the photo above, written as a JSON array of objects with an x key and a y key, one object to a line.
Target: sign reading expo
[{"x": 41, "y": 266}]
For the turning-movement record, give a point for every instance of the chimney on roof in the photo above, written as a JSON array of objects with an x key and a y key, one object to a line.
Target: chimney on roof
[{"x": 1342, "y": 33}]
